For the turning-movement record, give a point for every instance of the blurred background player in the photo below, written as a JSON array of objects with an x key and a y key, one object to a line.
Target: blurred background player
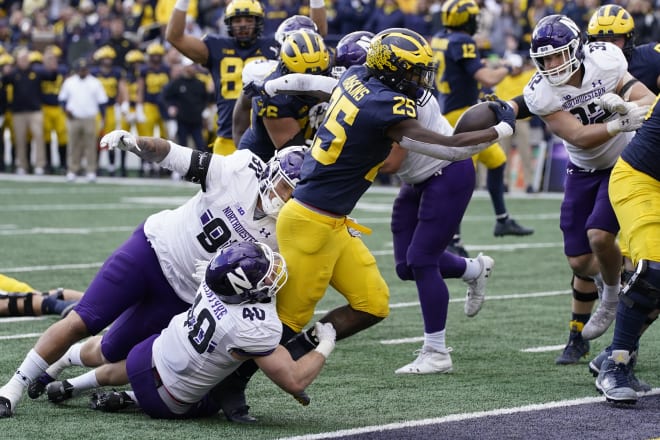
[
  {"x": 113, "y": 79},
  {"x": 54, "y": 115},
  {"x": 150, "y": 117},
  {"x": 461, "y": 74}
]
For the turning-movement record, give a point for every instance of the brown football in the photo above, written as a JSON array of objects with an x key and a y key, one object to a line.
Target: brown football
[{"x": 477, "y": 117}]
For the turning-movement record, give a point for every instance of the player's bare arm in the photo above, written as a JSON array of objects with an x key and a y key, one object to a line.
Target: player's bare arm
[
  {"x": 190, "y": 46},
  {"x": 240, "y": 117}
]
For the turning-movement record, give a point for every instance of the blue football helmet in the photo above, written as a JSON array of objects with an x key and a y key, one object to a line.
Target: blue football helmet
[
  {"x": 294, "y": 23},
  {"x": 280, "y": 177},
  {"x": 351, "y": 50},
  {"x": 557, "y": 34},
  {"x": 246, "y": 272}
]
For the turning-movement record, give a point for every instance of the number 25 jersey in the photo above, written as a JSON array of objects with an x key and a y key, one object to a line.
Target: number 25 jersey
[{"x": 351, "y": 145}]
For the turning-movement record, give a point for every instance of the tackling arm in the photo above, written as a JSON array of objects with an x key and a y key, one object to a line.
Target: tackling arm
[{"x": 292, "y": 376}]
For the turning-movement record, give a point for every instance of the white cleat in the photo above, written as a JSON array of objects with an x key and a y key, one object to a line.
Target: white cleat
[
  {"x": 476, "y": 291},
  {"x": 601, "y": 320},
  {"x": 428, "y": 362}
]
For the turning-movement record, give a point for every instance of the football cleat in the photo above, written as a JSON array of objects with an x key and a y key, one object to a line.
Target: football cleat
[
  {"x": 5, "y": 408},
  {"x": 38, "y": 387},
  {"x": 614, "y": 379},
  {"x": 112, "y": 401},
  {"x": 476, "y": 291},
  {"x": 601, "y": 320},
  {"x": 240, "y": 415},
  {"x": 637, "y": 384},
  {"x": 428, "y": 362},
  {"x": 457, "y": 247},
  {"x": 576, "y": 348},
  {"x": 510, "y": 227},
  {"x": 59, "y": 391}
]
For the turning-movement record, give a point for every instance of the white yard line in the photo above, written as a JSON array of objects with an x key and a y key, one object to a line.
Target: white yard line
[{"x": 456, "y": 418}]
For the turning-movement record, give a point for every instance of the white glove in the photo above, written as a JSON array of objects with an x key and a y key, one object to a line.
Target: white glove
[
  {"x": 352, "y": 231},
  {"x": 119, "y": 139},
  {"x": 317, "y": 114},
  {"x": 614, "y": 103},
  {"x": 139, "y": 114},
  {"x": 629, "y": 122},
  {"x": 326, "y": 335}
]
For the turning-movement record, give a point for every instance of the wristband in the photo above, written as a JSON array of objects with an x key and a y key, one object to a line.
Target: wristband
[
  {"x": 316, "y": 4},
  {"x": 613, "y": 127},
  {"x": 325, "y": 348},
  {"x": 503, "y": 130},
  {"x": 182, "y": 5}
]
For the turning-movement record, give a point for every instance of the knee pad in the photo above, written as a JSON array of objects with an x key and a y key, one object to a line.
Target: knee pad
[
  {"x": 12, "y": 305},
  {"x": 404, "y": 272},
  {"x": 643, "y": 288}
]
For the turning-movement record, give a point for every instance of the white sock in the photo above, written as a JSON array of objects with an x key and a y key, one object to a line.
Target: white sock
[
  {"x": 31, "y": 368},
  {"x": 70, "y": 358},
  {"x": 84, "y": 382},
  {"x": 435, "y": 341},
  {"x": 611, "y": 293},
  {"x": 472, "y": 269}
]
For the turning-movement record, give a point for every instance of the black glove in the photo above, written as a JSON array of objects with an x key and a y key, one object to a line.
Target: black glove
[
  {"x": 503, "y": 112},
  {"x": 252, "y": 90}
]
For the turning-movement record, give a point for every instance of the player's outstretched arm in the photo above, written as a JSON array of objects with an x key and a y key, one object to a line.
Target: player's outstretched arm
[
  {"x": 190, "y": 46},
  {"x": 294, "y": 376}
]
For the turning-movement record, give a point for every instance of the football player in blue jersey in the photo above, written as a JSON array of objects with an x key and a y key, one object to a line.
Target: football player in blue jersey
[
  {"x": 614, "y": 24},
  {"x": 372, "y": 106},
  {"x": 283, "y": 120},
  {"x": 225, "y": 57},
  {"x": 461, "y": 75},
  {"x": 634, "y": 190}
]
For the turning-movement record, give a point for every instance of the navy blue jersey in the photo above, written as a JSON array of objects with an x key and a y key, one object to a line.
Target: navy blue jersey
[
  {"x": 643, "y": 151},
  {"x": 276, "y": 107},
  {"x": 458, "y": 60},
  {"x": 645, "y": 65},
  {"x": 351, "y": 144},
  {"x": 225, "y": 62}
]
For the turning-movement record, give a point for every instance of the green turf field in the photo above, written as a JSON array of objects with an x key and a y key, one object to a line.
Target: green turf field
[{"x": 55, "y": 234}]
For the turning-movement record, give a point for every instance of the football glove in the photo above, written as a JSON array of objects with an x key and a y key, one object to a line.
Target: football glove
[
  {"x": 316, "y": 114},
  {"x": 614, "y": 103},
  {"x": 326, "y": 335},
  {"x": 253, "y": 89},
  {"x": 503, "y": 112},
  {"x": 631, "y": 121},
  {"x": 120, "y": 139}
]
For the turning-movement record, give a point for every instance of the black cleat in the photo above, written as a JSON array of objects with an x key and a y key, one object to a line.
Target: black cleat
[
  {"x": 240, "y": 415},
  {"x": 510, "y": 227},
  {"x": 38, "y": 387},
  {"x": 302, "y": 398},
  {"x": 112, "y": 401},
  {"x": 576, "y": 348},
  {"x": 5, "y": 408},
  {"x": 59, "y": 391}
]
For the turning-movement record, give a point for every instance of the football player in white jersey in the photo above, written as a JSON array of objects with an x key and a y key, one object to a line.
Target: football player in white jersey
[
  {"x": 588, "y": 99},
  {"x": 233, "y": 319},
  {"x": 148, "y": 279}
]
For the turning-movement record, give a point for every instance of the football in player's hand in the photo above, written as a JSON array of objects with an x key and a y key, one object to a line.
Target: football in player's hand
[{"x": 477, "y": 117}]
